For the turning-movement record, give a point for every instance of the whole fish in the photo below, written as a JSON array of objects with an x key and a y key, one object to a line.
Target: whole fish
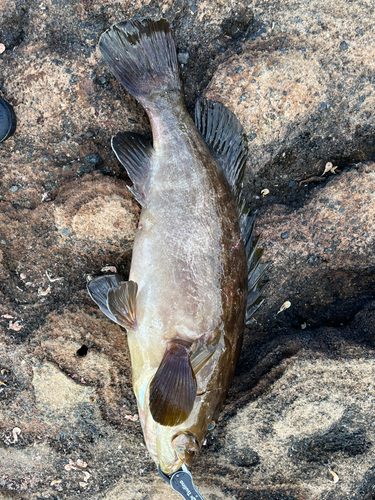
[{"x": 195, "y": 271}]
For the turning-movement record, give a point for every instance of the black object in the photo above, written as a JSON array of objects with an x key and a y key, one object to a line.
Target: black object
[
  {"x": 182, "y": 482},
  {"x": 8, "y": 120}
]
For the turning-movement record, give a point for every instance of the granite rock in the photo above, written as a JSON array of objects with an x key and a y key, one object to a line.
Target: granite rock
[{"x": 298, "y": 420}]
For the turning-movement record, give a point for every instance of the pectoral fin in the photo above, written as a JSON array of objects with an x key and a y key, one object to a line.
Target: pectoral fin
[
  {"x": 121, "y": 303},
  {"x": 173, "y": 388}
]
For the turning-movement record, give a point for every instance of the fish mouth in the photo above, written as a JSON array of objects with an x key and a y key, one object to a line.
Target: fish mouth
[
  {"x": 186, "y": 446},
  {"x": 171, "y": 467}
]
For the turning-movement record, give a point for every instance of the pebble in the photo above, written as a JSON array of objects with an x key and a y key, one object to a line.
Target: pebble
[
  {"x": 343, "y": 46},
  {"x": 183, "y": 57},
  {"x": 92, "y": 160}
]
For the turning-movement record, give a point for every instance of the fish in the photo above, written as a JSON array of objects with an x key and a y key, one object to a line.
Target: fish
[{"x": 196, "y": 272}]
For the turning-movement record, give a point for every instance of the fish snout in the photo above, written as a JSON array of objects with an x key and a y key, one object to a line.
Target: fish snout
[{"x": 186, "y": 446}]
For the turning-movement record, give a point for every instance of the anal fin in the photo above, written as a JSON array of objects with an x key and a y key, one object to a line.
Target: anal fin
[
  {"x": 174, "y": 387},
  {"x": 134, "y": 152}
]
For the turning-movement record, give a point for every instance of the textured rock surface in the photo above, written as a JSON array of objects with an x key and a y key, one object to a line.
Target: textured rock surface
[{"x": 300, "y": 76}]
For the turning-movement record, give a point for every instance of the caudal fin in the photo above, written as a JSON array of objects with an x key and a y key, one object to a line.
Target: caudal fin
[{"x": 142, "y": 56}]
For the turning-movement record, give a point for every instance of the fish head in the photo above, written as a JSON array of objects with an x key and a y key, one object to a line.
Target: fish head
[{"x": 175, "y": 449}]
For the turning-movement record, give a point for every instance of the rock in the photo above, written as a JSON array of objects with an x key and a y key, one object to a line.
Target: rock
[
  {"x": 96, "y": 214},
  {"x": 92, "y": 160},
  {"x": 183, "y": 57},
  {"x": 300, "y": 411}
]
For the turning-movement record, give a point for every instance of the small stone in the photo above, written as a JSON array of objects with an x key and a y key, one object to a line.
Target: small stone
[
  {"x": 343, "y": 46},
  {"x": 92, "y": 160},
  {"x": 65, "y": 231},
  {"x": 14, "y": 189},
  {"x": 183, "y": 57},
  {"x": 285, "y": 235},
  {"x": 322, "y": 106}
]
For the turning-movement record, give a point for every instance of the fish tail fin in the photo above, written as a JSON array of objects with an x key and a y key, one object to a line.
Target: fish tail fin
[{"x": 142, "y": 56}]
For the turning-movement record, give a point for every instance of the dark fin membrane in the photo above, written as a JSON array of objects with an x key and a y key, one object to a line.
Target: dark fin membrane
[
  {"x": 142, "y": 56},
  {"x": 173, "y": 388},
  {"x": 98, "y": 289},
  {"x": 134, "y": 152},
  {"x": 255, "y": 268},
  {"x": 225, "y": 136},
  {"x": 121, "y": 303}
]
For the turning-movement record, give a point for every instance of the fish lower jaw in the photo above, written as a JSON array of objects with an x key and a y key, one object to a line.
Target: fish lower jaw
[{"x": 171, "y": 467}]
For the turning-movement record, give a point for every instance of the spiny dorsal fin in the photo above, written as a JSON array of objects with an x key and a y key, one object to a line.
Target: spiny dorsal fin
[
  {"x": 173, "y": 388},
  {"x": 255, "y": 269},
  {"x": 98, "y": 289},
  {"x": 134, "y": 152},
  {"x": 121, "y": 303},
  {"x": 225, "y": 136}
]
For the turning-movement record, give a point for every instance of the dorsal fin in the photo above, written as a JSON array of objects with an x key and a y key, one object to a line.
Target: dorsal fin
[
  {"x": 173, "y": 388},
  {"x": 255, "y": 269},
  {"x": 134, "y": 152},
  {"x": 226, "y": 138}
]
